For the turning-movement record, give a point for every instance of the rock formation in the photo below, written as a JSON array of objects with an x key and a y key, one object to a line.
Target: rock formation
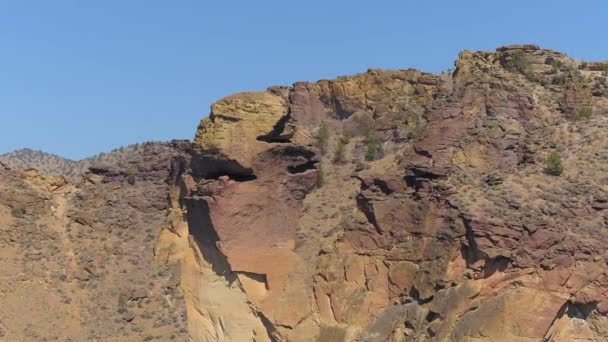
[
  {"x": 78, "y": 260},
  {"x": 453, "y": 232},
  {"x": 433, "y": 215}
]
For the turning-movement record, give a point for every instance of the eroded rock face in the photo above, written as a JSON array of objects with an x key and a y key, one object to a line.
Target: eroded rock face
[
  {"x": 236, "y": 122},
  {"x": 453, "y": 232},
  {"x": 78, "y": 260},
  {"x": 431, "y": 216}
]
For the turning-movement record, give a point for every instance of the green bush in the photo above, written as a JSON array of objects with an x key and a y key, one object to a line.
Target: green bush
[
  {"x": 371, "y": 146},
  {"x": 131, "y": 177},
  {"x": 372, "y": 150},
  {"x": 556, "y": 65},
  {"x": 322, "y": 138},
  {"x": 18, "y": 212},
  {"x": 340, "y": 153},
  {"x": 582, "y": 113},
  {"x": 518, "y": 62},
  {"x": 553, "y": 165},
  {"x": 320, "y": 176}
]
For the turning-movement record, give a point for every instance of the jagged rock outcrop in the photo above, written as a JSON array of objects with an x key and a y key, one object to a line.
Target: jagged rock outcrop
[
  {"x": 451, "y": 232},
  {"x": 386, "y": 206}
]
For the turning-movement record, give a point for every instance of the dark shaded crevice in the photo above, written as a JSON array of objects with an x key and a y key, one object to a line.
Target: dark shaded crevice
[
  {"x": 471, "y": 254},
  {"x": 381, "y": 184},
  {"x": 297, "y": 159},
  {"x": 199, "y": 222},
  {"x": 415, "y": 295},
  {"x": 409, "y": 325},
  {"x": 368, "y": 211},
  {"x": 301, "y": 168},
  {"x": 226, "y": 118},
  {"x": 431, "y": 316},
  {"x": 271, "y": 330},
  {"x": 211, "y": 166},
  {"x": 414, "y": 182},
  {"x": 470, "y": 251},
  {"x": 179, "y": 165},
  {"x": 411, "y": 181},
  {"x": 423, "y": 153},
  {"x": 419, "y": 176},
  {"x": 573, "y": 311},
  {"x": 579, "y": 310},
  {"x": 234, "y": 177},
  {"x": 438, "y": 287},
  {"x": 294, "y": 151},
  {"x": 498, "y": 264},
  {"x": 428, "y": 173},
  {"x": 341, "y": 112},
  {"x": 202, "y": 230},
  {"x": 99, "y": 170},
  {"x": 276, "y": 135}
]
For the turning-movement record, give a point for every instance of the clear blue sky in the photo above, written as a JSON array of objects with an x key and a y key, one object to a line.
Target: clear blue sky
[{"x": 81, "y": 77}]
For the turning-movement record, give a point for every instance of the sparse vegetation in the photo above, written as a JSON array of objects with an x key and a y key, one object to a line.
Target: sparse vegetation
[
  {"x": 371, "y": 146},
  {"x": 518, "y": 62},
  {"x": 582, "y": 113},
  {"x": 553, "y": 165},
  {"x": 18, "y": 212},
  {"x": 47, "y": 163},
  {"x": 131, "y": 177},
  {"x": 320, "y": 176},
  {"x": 372, "y": 150},
  {"x": 340, "y": 153},
  {"x": 322, "y": 137},
  {"x": 414, "y": 125},
  {"x": 556, "y": 64}
]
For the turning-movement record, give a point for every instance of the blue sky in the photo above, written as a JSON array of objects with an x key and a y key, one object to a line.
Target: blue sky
[{"x": 82, "y": 77}]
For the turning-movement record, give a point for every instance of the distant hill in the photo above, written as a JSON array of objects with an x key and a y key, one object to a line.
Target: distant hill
[
  {"x": 52, "y": 164},
  {"x": 45, "y": 162}
]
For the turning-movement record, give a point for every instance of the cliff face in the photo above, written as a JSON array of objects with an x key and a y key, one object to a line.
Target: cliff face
[
  {"x": 78, "y": 260},
  {"x": 386, "y": 206},
  {"x": 452, "y": 229}
]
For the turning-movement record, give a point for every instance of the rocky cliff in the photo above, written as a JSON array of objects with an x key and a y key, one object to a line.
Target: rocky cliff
[
  {"x": 432, "y": 215},
  {"x": 386, "y": 206}
]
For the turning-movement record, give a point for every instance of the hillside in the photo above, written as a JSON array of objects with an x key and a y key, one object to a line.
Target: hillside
[
  {"x": 26, "y": 158},
  {"x": 50, "y": 164},
  {"x": 392, "y": 205},
  {"x": 78, "y": 259}
]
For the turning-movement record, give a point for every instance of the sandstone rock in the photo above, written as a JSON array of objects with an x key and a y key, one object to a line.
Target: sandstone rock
[{"x": 236, "y": 122}]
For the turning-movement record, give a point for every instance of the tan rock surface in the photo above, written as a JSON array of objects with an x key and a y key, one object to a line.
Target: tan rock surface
[{"x": 237, "y": 121}]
